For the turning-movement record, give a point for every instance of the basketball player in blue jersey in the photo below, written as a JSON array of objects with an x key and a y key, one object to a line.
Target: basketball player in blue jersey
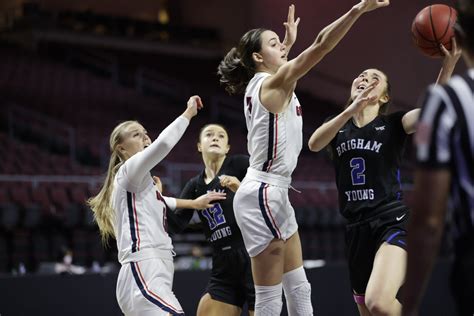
[
  {"x": 259, "y": 67},
  {"x": 129, "y": 208},
  {"x": 366, "y": 147},
  {"x": 230, "y": 285}
]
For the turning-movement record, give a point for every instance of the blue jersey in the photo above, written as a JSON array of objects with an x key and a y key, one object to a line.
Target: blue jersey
[{"x": 367, "y": 163}]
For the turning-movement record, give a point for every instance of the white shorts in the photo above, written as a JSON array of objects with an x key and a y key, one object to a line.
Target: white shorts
[
  {"x": 145, "y": 288},
  {"x": 263, "y": 213}
]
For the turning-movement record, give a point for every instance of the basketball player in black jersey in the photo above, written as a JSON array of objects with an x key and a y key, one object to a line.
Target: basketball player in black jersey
[
  {"x": 231, "y": 283},
  {"x": 366, "y": 147}
]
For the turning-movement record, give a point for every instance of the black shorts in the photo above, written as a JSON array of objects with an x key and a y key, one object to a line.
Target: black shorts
[
  {"x": 364, "y": 238},
  {"x": 231, "y": 279},
  {"x": 462, "y": 276}
]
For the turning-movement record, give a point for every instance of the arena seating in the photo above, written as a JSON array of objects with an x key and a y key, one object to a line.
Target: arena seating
[{"x": 47, "y": 99}]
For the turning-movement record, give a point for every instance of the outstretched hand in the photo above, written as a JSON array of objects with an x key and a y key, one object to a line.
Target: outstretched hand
[
  {"x": 291, "y": 27},
  {"x": 363, "y": 99},
  {"x": 194, "y": 104},
  {"x": 370, "y": 5},
  {"x": 449, "y": 61},
  {"x": 451, "y": 57},
  {"x": 205, "y": 200}
]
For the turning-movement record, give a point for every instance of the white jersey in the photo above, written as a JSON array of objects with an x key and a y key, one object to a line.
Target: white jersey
[
  {"x": 274, "y": 141},
  {"x": 140, "y": 210}
]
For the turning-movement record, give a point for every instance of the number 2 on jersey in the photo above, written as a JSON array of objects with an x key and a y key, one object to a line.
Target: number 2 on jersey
[
  {"x": 214, "y": 215},
  {"x": 357, "y": 172}
]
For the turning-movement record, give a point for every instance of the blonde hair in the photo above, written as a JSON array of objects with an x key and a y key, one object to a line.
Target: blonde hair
[{"x": 100, "y": 204}]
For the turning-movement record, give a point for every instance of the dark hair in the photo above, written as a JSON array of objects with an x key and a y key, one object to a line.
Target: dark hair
[
  {"x": 205, "y": 126},
  {"x": 464, "y": 28},
  {"x": 388, "y": 90},
  {"x": 238, "y": 67}
]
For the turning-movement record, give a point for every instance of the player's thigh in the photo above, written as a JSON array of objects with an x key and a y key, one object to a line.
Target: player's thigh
[
  {"x": 267, "y": 266},
  {"x": 388, "y": 272},
  {"x": 293, "y": 253}
]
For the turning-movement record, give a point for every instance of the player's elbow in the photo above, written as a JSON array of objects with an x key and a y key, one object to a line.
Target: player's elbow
[
  {"x": 314, "y": 146},
  {"x": 434, "y": 224},
  {"x": 167, "y": 145},
  {"x": 321, "y": 45}
]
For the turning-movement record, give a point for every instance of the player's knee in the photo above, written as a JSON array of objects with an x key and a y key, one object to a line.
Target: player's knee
[
  {"x": 268, "y": 300},
  {"x": 379, "y": 305},
  {"x": 294, "y": 279},
  {"x": 297, "y": 292},
  {"x": 299, "y": 301}
]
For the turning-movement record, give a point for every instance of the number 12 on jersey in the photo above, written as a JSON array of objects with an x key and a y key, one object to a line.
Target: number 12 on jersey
[
  {"x": 214, "y": 215},
  {"x": 357, "y": 172}
]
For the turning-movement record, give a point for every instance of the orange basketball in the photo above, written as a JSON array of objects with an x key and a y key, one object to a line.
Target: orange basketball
[{"x": 433, "y": 26}]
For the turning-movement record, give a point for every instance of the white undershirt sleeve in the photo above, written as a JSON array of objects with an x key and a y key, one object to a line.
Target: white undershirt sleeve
[{"x": 170, "y": 202}]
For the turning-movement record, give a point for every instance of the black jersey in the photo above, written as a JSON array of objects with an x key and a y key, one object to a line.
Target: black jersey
[
  {"x": 219, "y": 223},
  {"x": 367, "y": 162}
]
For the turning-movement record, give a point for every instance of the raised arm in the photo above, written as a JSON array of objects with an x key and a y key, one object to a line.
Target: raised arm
[
  {"x": 142, "y": 162},
  {"x": 410, "y": 119},
  {"x": 326, "y": 40},
  {"x": 323, "y": 135}
]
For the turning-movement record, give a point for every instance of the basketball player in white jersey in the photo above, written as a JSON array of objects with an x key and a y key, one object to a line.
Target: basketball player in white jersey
[
  {"x": 129, "y": 208},
  {"x": 259, "y": 67}
]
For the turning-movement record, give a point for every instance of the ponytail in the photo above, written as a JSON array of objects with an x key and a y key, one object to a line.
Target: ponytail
[
  {"x": 104, "y": 214},
  {"x": 238, "y": 67},
  {"x": 100, "y": 204},
  {"x": 233, "y": 75}
]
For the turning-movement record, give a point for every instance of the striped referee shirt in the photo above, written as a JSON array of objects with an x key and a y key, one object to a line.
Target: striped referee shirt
[{"x": 445, "y": 140}]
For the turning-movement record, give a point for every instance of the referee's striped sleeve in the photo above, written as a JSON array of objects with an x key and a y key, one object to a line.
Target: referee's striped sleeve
[{"x": 433, "y": 136}]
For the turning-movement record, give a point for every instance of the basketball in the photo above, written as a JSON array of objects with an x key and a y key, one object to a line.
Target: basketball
[{"x": 433, "y": 26}]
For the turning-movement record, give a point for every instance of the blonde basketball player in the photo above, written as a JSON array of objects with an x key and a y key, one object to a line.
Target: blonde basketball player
[{"x": 129, "y": 208}]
